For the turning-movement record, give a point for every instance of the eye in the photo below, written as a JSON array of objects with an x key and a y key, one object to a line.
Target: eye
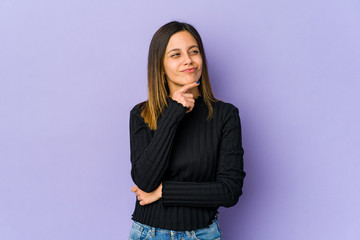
[
  {"x": 194, "y": 52},
  {"x": 175, "y": 55}
]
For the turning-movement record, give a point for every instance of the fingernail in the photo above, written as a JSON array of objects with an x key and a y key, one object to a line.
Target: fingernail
[{"x": 198, "y": 82}]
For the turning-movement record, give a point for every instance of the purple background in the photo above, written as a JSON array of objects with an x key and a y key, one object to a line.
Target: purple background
[{"x": 71, "y": 71}]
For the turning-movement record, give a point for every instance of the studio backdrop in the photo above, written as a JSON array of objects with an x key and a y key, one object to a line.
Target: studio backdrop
[{"x": 70, "y": 72}]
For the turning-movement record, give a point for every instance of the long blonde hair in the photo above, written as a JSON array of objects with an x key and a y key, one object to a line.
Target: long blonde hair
[{"x": 158, "y": 91}]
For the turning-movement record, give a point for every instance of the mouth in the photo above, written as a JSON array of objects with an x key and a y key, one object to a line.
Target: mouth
[{"x": 190, "y": 70}]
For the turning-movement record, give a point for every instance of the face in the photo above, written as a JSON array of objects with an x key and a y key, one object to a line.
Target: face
[{"x": 182, "y": 60}]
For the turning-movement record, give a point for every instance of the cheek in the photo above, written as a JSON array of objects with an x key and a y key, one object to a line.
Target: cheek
[
  {"x": 199, "y": 62},
  {"x": 171, "y": 69},
  {"x": 200, "y": 69}
]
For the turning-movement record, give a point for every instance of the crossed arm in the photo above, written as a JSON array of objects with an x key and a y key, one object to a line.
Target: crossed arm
[{"x": 225, "y": 191}]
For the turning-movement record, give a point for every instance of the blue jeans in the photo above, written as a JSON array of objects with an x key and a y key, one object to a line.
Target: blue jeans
[{"x": 144, "y": 232}]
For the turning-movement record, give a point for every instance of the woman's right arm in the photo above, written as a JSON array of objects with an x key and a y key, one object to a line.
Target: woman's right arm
[{"x": 150, "y": 155}]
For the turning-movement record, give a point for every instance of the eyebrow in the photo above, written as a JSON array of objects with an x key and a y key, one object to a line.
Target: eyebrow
[{"x": 178, "y": 49}]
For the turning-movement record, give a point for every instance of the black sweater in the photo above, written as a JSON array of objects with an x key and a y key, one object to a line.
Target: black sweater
[{"x": 198, "y": 161}]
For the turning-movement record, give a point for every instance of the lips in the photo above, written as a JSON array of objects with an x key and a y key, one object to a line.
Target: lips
[{"x": 189, "y": 70}]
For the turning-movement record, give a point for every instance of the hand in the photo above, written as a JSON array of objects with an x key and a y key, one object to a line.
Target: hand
[
  {"x": 184, "y": 97},
  {"x": 147, "y": 198}
]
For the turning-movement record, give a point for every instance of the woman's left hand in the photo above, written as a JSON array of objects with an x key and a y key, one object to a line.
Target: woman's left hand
[{"x": 147, "y": 198}]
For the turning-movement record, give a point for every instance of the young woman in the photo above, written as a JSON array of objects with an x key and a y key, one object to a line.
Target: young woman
[{"x": 186, "y": 149}]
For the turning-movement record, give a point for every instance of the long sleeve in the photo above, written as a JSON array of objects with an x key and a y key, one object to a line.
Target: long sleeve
[
  {"x": 227, "y": 188},
  {"x": 150, "y": 153},
  {"x": 198, "y": 160}
]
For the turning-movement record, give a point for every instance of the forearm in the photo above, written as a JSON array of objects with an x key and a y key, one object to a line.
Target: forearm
[
  {"x": 203, "y": 194},
  {"x": 150, "y": 154}
]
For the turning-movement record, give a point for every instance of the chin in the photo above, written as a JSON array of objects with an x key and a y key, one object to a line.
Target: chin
[
  {"x": 183, "y": 81},
  {"x": 191, "y": 80}
]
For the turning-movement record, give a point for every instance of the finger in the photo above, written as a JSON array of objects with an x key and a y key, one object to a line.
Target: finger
[
  {"x": 190, "y": 109},
  {"x": 188, "y": 95},
  {"x": 190, "y": 101},
  {"x": 190, "y": 106},
  {"x": 186, "y": 87}
]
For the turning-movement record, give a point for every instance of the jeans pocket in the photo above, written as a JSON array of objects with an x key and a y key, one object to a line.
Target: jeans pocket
[
  {"x": 135, "y": 232},
  {"x": 210, "y": 233}
]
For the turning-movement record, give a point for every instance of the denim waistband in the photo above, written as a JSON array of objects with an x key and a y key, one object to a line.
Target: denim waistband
[{"x": 154, "y": 231}]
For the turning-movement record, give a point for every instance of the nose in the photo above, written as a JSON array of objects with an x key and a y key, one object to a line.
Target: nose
[{"x": 188, "y": 59}]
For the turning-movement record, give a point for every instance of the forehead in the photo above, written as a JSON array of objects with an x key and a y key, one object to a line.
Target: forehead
[{"x": 182, "y": 39}]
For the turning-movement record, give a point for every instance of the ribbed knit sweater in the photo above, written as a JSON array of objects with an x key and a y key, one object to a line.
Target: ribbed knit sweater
[{"x": 198, "y": 161}]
